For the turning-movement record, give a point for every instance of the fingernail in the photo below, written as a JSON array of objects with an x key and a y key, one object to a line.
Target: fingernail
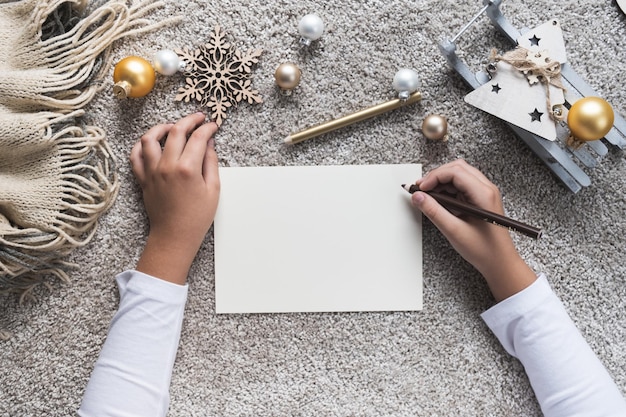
[
  {"x": 212, "y": 143},
  {"x": 418, "y": 197}
]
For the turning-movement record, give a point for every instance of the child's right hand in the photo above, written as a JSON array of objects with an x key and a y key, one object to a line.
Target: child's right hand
[{"x": 489, "y": 248}]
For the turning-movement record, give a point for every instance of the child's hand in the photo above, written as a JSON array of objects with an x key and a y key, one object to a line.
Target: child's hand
[
  {"x": 180, "y": 186},
  {"x": 487, "y": 247}
]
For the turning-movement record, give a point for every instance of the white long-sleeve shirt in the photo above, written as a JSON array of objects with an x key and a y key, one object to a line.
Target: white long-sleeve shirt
[
  {"x": 132, "y": 375},
  {"x": 567, "y": 377}
]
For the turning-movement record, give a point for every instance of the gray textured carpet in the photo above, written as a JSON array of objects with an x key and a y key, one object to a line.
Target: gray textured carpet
[{"x": 442, "y": 361}]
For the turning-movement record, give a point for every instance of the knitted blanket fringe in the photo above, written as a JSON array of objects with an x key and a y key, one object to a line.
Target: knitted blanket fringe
[
  {"x": 88, "y": 185},
  {"x": 57, "y": 174}
]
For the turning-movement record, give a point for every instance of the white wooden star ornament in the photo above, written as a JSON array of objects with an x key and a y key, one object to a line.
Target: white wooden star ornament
[
  {"x": 218, "y": 75},
  {"x": 525, "y": 87}
]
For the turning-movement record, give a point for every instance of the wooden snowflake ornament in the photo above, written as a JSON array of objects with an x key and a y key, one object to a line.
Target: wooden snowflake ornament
[{"x": 218, "y": 75}]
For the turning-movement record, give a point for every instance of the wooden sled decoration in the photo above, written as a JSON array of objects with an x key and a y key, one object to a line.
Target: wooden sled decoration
[{"x": 565, "y": 162}]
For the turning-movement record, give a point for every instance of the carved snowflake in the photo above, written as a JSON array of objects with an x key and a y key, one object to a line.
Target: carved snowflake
[{"x": 218, "y": 75}]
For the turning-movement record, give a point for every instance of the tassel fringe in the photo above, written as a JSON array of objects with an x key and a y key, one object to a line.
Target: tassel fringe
[
  {"x": 69, "y": 68},
  {"x": 89, "y": 186}
]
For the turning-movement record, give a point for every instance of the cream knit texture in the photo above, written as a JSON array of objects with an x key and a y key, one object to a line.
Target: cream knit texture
[{"x": 57, "y": 174}]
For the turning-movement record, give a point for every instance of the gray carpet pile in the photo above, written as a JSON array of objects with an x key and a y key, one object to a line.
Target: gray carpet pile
[{"x": 442, "y": 361}]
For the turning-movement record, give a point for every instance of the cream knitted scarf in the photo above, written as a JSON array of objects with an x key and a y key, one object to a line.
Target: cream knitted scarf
[{"x": 57, "y": 174}]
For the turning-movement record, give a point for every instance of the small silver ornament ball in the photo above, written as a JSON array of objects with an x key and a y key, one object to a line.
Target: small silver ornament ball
[
  {"x": 405, "y": 82},
  {"x": 311, "y": 28},
  {"x": 166, "y": 62}
]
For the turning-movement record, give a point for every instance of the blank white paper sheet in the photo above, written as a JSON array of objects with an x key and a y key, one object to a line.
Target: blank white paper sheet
[{"x": 317, "y": 239}]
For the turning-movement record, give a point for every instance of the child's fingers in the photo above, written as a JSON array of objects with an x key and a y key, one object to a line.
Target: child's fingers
[
  {"x": 445, "y": 221},
  {"x": 136, "y": 163},
  {"x": 151, "y": 145},
  {"x": 196, "y": 147},
  {"x": 463, "y": 177},
  {"x": 452, "y": 173},
  {"x": 177, "y": 137},
  {"x": 210, "y": 169}
]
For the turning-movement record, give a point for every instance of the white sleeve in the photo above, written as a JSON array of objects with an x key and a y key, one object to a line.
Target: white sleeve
[
  {"x": 567, "y": 377},
  {"x": 132, "y": 375}
]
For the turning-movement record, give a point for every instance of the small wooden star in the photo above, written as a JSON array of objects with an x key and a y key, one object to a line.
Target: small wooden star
[{"x": 218, "y": 75}]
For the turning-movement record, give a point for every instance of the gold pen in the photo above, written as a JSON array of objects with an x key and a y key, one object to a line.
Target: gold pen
[{"x": 352, "y": 118}]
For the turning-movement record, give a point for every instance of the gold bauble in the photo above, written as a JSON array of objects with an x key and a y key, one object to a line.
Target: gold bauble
[
  {"x": 435, "y": 127},
  {"x": 287, "y": 76},
  {"x": 133, "y": 77},
  {"x": 590, "y": 118}
]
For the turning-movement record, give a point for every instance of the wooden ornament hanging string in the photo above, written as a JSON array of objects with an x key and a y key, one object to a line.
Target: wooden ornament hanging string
[{"x": 537, "y": 67}]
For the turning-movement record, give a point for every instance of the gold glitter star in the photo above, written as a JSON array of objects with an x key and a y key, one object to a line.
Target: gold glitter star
[{"x": 218, "y": 75}]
